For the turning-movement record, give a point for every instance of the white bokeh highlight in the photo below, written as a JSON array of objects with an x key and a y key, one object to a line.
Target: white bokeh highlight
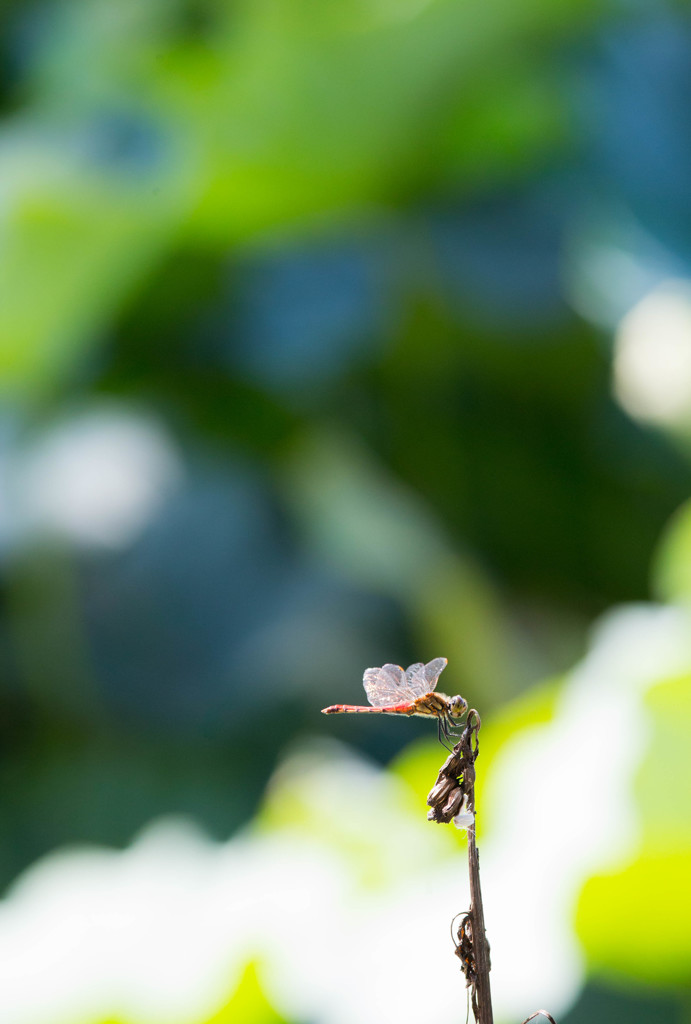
[
  {"x": 652, "y": 358},
  {"x": 97, "y": 478}
]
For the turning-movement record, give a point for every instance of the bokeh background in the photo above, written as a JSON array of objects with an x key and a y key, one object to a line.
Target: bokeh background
[{"x": 334, "y": 334}]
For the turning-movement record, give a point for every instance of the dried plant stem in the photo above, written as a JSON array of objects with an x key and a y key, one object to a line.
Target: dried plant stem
[
  {"x": 453, "y": 798},
  {"x": 480, "y": 945}
]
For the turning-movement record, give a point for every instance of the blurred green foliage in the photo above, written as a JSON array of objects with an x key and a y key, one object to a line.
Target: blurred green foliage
[
  {"x": 248, "y": 1004},
  {"x": 671, "y": 579},
  {"x": 647, "y": 941}
]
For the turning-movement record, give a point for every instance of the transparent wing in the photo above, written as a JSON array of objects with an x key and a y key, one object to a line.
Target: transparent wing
[
  {"x": 423, "y": 678},
  {"x": 387, "y": 685},
  {"x": 433, "y": 669},
  {"x": 417, "y": 681}
]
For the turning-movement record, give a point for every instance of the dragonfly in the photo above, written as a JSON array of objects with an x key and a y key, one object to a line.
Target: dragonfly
[{"x": 393, "y": 691}]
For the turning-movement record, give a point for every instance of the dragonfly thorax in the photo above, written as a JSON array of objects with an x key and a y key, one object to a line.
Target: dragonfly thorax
[{"x": 439, "y": 704}]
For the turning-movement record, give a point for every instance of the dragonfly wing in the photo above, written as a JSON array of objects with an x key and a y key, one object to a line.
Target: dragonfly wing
[
  {"x": 423, "y": 678},
  {"x": 403, "y": 690},
  {"x": 433, "y": 669},
  {"x": 396, "y": 673},
  {"x": 387, "y": 685},
  {"x": 416, "y": 679}
]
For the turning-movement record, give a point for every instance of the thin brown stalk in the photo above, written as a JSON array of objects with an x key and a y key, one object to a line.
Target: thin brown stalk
[
  {"x": 480, "y": 944},
  {"x": 452, "y": 798},
  {"x": 454, "y": 794}
]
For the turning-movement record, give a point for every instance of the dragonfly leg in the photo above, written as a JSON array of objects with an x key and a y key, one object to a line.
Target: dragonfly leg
[
  {"x": 442, "y": 730},
  {"x": 453, "y": 728},
  {"x": 452, "y": 732}
]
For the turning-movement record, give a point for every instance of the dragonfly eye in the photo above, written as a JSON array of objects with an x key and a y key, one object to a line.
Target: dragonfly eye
[{"x": 458, "y": 707}]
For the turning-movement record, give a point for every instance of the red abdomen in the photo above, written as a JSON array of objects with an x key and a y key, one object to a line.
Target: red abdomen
[{"x": 356, "y": 709}]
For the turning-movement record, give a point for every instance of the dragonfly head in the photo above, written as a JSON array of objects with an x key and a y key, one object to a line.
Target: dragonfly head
[{"x": 457, "y": 706}]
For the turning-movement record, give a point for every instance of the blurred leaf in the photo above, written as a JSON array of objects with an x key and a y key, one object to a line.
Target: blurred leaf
[
  {"x": 633, "y": 922},
  {"x": 672, "y": 565},
  {"x": 511, "y": 118},
  {"x": 307, "y": 117},
  {"x": 248, "y": 1004},
  {"x": 73, "y": 245},
  {"x": 663, "y": 784}
]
